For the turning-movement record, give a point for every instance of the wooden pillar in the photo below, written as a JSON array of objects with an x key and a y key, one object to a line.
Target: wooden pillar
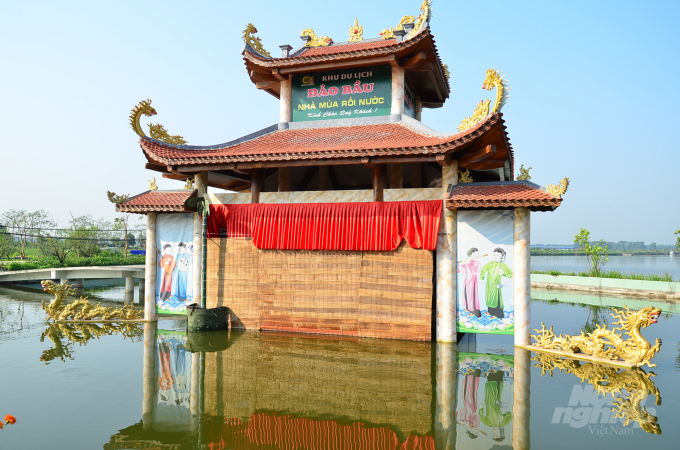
[
  {"x": 416, "y": 175},
  {"x": 397, "y": 90},
  {"x": 419, "y": 108},
  {"x": 284, "y": 179},
  {"x": 285, "y": 110},
  {"x": 257, "y": 185},
  {"x": 446, "y": 266},
  {"x": 150, "y": 269},
  {"x": 521, "y": 278},
  {"x": 396, "y": 176},
  {"x": 201, "y": 184},
  {"x": 324, "y": 179},
  {"x": 378, "y": 180}
]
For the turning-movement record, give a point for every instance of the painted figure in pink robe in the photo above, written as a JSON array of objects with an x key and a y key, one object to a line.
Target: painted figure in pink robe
[
  {"x": 469, "y": 416},
  {"x": 470, "y": 270}
]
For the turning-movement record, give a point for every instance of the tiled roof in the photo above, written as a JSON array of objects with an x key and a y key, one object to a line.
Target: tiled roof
[
  {"x": 158, "y": 201},
  {"x": 386, "y": 139},
  {"x": 501, "y": 195},
  {"x": 359, "y": 46}
]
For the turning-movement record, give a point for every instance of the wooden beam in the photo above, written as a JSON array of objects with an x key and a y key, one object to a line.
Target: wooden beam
[
  {"x": 392, "y": 59},
  {"x": 174, "y": 176},
  {"x": 338, "y": 65},
  {"x": 378, "y": 175},
  {"x": 256, "y": 76},
  {"x": 423, "y": 67},
  {"x": 414, "y": 61},
  {"x": 234, "y": 174},
  {"x": 265, "y": 84},
  {"x": 444, "y": 160},
  {"x": 477, "y": 155},
  {"x": 156, "y": 167},
  {"x": 257, "y": 186},
  {"x": 201, "y": 167},
  {"x": 277, "y": 74}
]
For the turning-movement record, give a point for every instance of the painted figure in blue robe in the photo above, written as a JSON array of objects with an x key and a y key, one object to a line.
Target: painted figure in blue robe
[{"x": 184, "y": 260}]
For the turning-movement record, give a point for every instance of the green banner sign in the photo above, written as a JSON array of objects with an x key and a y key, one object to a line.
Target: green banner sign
[{"x": 342, "y": 94}]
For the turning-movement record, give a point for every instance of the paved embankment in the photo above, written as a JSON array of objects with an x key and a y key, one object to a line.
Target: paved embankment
[{"x": 608, "y": 286}]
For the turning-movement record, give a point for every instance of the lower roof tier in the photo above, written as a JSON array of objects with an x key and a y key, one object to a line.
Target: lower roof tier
[{"x": 501, "y": 195}]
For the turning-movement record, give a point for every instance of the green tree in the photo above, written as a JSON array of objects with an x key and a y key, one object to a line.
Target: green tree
[
  {"x": 53, "y": 242},
  {"x": 85, "y": 236},
  {"x": 121, "y": 223},
  {"x": 596, "y": 252},
  {"x": 131, "y": 239},
  {"x": 24, "y": 225},
  {"x": 7, "y": 244},
  {"x": 677, "y": 242}
]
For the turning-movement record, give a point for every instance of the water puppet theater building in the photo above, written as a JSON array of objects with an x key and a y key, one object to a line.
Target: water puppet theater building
[{"x": 349, "y": 216}]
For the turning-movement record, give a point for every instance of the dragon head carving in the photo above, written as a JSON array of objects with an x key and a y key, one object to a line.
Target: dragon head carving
[
  {"x": 58, "y": 290},
  {"x": 143, "y": 108}
]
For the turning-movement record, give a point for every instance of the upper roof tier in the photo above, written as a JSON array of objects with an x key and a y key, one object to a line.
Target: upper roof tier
[
  {"x": 356, "y": 141},
  {"x": 413, "y": 49}
]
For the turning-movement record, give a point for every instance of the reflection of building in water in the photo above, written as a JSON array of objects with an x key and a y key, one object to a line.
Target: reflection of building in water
[{"x": 628, "y": 388}]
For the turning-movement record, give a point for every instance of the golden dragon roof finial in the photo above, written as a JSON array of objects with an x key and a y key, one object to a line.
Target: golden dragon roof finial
[
  {"x": 189, "y": 184},
  {"x": 113, "y": 198},
  {"x": 560, "y": 189},
  {"x": 157, "y": 131},
  {"x": 524, "y": 173},
  {"x": 316, "y": 41},
  {"x": 465, "y": 177},
  {"x": 356, "y": 32},
  {"x": 152, "y": 184},
  {"x": 253, "y": 41},
  {"x": 423, "y": 19},
  {"x": 389, "y": 33},
  {"x": 494, "y": 79}
]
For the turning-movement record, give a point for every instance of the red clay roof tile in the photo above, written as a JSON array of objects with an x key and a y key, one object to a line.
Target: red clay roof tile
[
  {"x": 157, "y": 201},
  {"x": 501, "y": 195}
]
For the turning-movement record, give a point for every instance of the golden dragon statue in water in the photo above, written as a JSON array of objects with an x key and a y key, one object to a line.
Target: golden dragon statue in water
[
  {"x": 59, "y": 309},
  {"x": 628, "y": 387},
  {"x": 157, "y": 131},
  {"x": 608, "y": 344},
  {"x": 494, "y": 80}
]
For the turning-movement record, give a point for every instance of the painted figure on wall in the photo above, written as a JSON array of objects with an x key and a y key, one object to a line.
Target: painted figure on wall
[
  {"x": 491, "y": 414},
  {"x": 165, "y": 379},
  {"x": 167, "y": 263},
  {"x": 470, "y": 270},
  {"x": 183, "y": 263},
  {"x": 494, "y": 272}
]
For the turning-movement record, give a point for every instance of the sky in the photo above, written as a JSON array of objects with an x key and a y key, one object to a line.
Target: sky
[{"x": 593, "y": 95}]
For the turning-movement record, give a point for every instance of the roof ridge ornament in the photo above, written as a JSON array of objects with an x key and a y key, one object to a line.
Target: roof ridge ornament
[
  {"x": 157, "y": 131},
  {"x": 560, "y": 189},
  {"x": 389, "y": 33},
  {"x": 356, "y": 31},
  {"x": 494, "y": 79},
  {"x": 254, "y": 42},
  {"x": 524, "y": 174},
  {"x": 152, "y": 184},
  {"x": 423, "y": 19},
  {"x": 465, "y": 177},
  {"x": 314, "y": 40}
]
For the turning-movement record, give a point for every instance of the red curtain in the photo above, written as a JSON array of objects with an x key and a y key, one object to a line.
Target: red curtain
[{"x": 330, "y": 226}]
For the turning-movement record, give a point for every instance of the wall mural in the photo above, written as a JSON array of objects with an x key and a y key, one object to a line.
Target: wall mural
[
  {"x": 485, "y": 272},
  {"x": 484, "y": 401},
  {"x": 173, "y": 382},
  {"x": 175, "y": 262}
]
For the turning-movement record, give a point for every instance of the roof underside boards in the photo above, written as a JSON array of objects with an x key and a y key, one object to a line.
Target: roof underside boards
[
  {"x": 501, "y": 195},
  {"x": 425, "y": 75},
  {"x": 158, "y": 201},
  {"x": 333, "y": 145}
]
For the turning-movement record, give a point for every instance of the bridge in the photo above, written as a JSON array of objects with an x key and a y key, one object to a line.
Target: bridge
[{"x": 79, "y": 274}]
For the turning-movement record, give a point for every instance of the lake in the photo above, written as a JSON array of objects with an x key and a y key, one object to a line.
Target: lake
[
  {"x": 630, "y": 264},
  {"x": 152, "y": 386}
]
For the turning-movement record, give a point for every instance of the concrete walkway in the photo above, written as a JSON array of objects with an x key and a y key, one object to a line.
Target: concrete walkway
[{"x": 73, "y": 273}]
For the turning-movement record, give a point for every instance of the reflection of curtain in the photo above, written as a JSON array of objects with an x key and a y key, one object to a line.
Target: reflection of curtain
[{"x": 378, "y": 226}]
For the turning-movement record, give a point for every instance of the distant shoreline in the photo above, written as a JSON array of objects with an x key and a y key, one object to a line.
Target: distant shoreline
[{"x": 552, "y": 252}]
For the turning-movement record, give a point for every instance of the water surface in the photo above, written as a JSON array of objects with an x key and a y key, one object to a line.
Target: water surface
[{"x": 631, "y": 264}]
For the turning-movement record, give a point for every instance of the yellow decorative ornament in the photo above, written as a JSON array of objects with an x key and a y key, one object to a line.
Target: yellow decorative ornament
[
  {"x": 152, "y": 184},
  {"x": 447, "y": 73},
  {"x": 189, "y": 184},
  {"x": 316, "y": 41},
  {"x": 560, "y": 189},
  {"x": 356, "y": 32},
  {"x": 81, "y": 309},
  {"x": 493, "y": 80},
  {"x": 389, "y": 33},
  {"x": 628, "y": 387},
  {"x": 422, "y": 20},
  {"x": 464, "y": 176},
  {"x": 81, "y": 332},
  {"x": 157, "y": 131},
  {"x": 253, "y": 41},
  {"x": 113, "y": 198},
  {"x": 608, "y": 344},
  {"x": 524, "y": 173}
]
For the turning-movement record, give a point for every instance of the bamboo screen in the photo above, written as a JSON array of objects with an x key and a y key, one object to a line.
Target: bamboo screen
[{"x": 363, "y": 294}]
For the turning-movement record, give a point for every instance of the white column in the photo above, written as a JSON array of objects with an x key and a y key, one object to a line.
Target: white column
[
  {"x": 419, "y": 108},
  {"x": 445, "y": 414},
  {"x": 129, "y": 284},
  {"x": 446, "y": 263},
  {"x": 522, "y": 281},
  {"x": 285, "y": 109},
  {"x": 150, "y": 269},
  {"x": 521, "y": 408},
  {"x": 195, "y": 391},
  {"x": 200, "y": 181},
  {"x": 149, "y": 374},
  {"x": 397, "y": 90}
]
